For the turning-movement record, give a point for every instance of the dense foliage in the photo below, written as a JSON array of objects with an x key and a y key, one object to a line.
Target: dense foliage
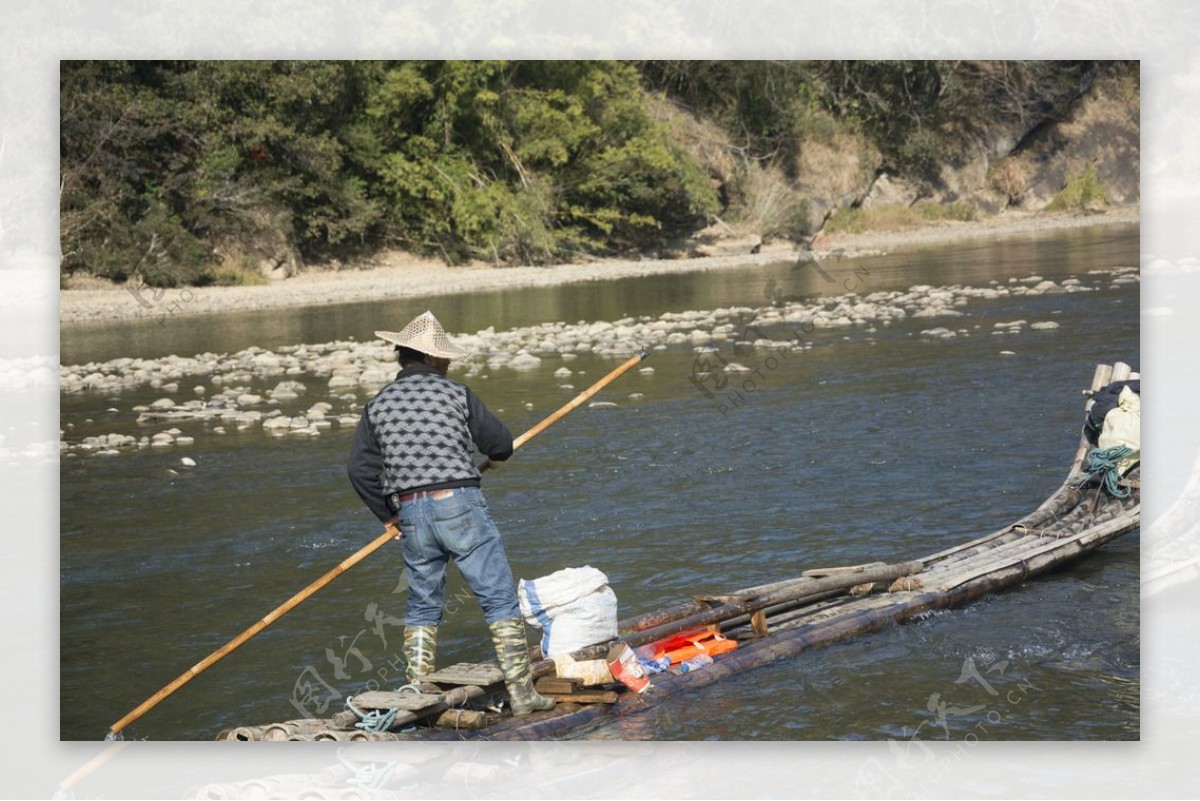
[
  {"x": 198, "y": 171},
  {"x": 169, "y": 168}
]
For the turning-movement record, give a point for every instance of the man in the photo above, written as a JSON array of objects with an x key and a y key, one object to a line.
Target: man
[{"x": 411, "y": 463}]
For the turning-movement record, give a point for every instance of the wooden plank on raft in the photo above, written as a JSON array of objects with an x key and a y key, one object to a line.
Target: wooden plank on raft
[
  {"x": 469, "y": 719},
  {"x": 406, "y": 702},
  {"x": 555, "y": 684},
  {"x": 717, "y": 600},
  {"x": 957, "y": 549},
  {"x": 822, "y": 572},
  {"x": 651, "y": 619},
  {"x": 467, "y": 673},
  {"x": 1059, "y": 543},
  {"x": 788, "y": 592},
  {"x": 773, "y": 612},
  {"x": 997, "y": 549},
  {"x": 586, "y": 697}
]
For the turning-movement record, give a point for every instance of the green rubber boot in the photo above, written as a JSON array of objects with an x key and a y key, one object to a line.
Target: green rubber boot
[
  {"x": 420, "y": 652},
  {"x": 509, "y": 638}
]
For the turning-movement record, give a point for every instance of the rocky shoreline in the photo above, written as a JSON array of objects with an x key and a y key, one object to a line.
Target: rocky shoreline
[
  {"x": 402, "y": 276},
  {"x": 222, "y": 396}
]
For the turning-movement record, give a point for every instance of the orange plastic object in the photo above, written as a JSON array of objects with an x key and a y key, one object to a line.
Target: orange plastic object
[{"x": 682, "y": 647}]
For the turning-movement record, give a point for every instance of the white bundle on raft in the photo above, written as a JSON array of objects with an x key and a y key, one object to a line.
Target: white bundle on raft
[
  {"x": 1123, "y": 426},
  {"x": 574, "y": 607}
]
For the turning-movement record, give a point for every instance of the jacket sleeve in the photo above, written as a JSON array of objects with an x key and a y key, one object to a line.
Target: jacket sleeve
[
  {"x": 366, "y": 469},
  {"x": 490, "y": 435}
]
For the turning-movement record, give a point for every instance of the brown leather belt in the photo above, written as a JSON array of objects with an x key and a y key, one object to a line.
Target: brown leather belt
[{"x": 433, "y": 495}]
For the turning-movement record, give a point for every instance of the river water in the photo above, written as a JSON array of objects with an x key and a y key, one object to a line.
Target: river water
[{"x": 872, "y": 445}]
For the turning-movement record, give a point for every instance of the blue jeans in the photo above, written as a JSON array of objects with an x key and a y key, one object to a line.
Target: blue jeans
[{"x": 460, "y": 528}]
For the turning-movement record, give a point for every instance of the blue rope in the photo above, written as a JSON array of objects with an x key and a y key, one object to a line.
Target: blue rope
[
  {"x": 369, "y": 776},
  {"x": 1103, "y": 465},
  {"x": 376, "y": 720}
]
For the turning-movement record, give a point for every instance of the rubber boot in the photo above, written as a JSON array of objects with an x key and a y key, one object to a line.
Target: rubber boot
[
  {"x": 420, "y": 652},
  {"x": 509, "y": 638}
]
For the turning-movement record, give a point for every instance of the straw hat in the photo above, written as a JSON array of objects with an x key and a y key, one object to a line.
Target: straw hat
[{"x": 426, "y": 335}]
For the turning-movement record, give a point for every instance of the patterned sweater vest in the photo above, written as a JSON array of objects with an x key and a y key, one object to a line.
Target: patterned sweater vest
[{"x": 420, "y": 422}]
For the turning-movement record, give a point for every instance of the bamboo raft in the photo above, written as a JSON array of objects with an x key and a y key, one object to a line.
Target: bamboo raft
[{"x": 770, "y": 621}]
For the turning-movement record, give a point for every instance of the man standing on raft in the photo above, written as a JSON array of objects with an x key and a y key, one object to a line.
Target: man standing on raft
[{"x": 411, "y": 463}]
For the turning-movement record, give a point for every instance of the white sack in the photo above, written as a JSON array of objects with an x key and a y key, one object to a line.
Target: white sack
[
  {"x": 1123, "y": 426},
  {"x": 574, "y": 607}
]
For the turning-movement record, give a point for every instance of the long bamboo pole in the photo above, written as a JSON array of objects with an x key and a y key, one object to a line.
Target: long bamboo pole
[{"x": 390, "y": 532}]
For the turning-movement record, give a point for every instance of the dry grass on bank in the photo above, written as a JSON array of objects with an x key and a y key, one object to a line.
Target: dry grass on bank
[{"x": 899, "y": 218}]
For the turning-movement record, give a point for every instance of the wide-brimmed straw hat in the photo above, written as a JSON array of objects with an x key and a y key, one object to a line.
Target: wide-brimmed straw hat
[{"x": 426, "y": 335}]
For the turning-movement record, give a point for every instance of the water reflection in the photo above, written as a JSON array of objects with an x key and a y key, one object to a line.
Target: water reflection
[{"x": 1052, "y": 254}]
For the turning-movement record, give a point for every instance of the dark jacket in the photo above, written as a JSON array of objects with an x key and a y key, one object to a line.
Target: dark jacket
[{"x": 417, "y": 433}]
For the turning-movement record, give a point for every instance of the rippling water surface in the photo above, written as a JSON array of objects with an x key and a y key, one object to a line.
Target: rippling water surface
[{"x": 870, "y": 446}]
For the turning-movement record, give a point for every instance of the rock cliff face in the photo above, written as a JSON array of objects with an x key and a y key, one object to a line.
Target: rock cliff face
[
  {"x": 1010, "y": 165},
  {"x": 1014, "y": 161},
  {"x": 1100, "y": 130}
]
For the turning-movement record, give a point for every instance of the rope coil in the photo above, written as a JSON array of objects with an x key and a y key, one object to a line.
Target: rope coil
[
  {"x": 377, "y": 720},
  {"x": 1102, "y": 464},
  {"x": 369, "y": 776}
]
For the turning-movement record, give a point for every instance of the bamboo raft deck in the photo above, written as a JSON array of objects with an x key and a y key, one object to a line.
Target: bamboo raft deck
[{"x": 770, "y": 622}]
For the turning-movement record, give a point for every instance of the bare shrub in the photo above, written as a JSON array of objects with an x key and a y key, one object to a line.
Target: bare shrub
[{"x": 1010, "y": 177}]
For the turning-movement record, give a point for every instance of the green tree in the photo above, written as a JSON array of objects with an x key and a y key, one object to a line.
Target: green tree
[
  {"x": 529, "y": 161},
  {"x": 168, "y": 167}
]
